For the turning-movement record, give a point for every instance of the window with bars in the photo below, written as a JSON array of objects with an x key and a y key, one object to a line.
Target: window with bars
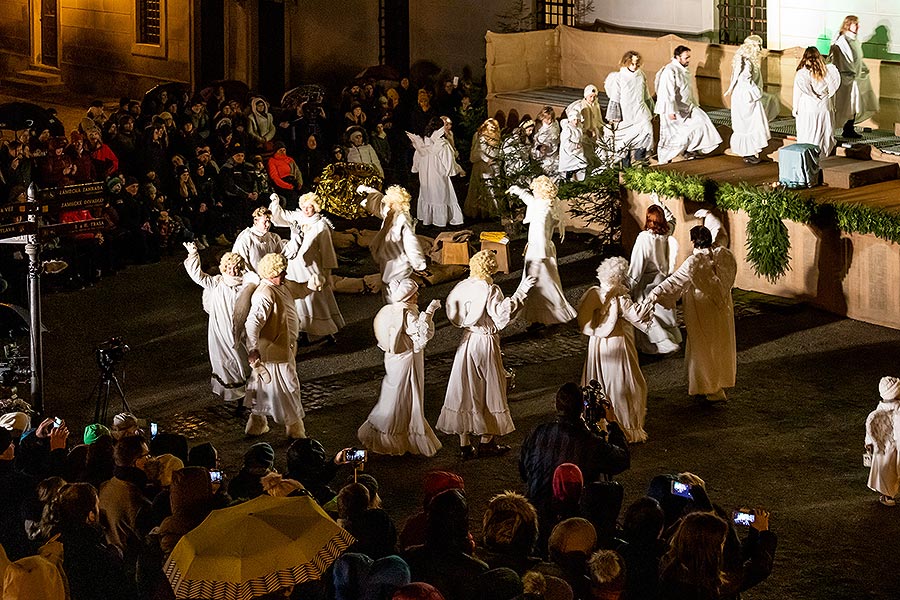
[
  {"x": 149, "y": 22},
  {"x": 551, "y": 13},
  {"x": 740, "y": 18}
]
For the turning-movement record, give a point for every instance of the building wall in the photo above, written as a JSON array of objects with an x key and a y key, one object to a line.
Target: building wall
[
  {"x": 672, "y": 16},
  {"x": 15, "y": 45}
]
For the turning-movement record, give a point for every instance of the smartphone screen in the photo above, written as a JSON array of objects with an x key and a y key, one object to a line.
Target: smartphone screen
[
  {"x": 355, "y": 455},
  {"x": 154, "y": 429},
  {"x": 681, "y": 489},
  {"x": 743, "y": 518},
  {"x": 215, "y": 476},
  {"x": 57, "y": 422}
]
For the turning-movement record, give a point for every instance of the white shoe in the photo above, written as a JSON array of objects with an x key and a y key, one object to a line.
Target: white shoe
[
  {"x": 296, "y": 430},
  {"x": 256, "y": 425},
  {"x": 887, "y": 501}
]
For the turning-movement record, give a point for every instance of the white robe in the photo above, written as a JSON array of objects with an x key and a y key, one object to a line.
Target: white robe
[
  {"x": 691, "y": 130},
  {"x": 397, "y": 423},
  {"x": 855, "y": 99},
  {"x": 435, "y": 162},
  {"x": 545, "y": 148},
  {"x": 704, "y": 280},
  {"x": 253, "y": 245},
  {"x": 475, "y": 402},
  {"x": 480, "y": 201},
  {"x": 813, "y": 108},
  {"x": 606, "y": 315},
  {"x": 749, "y": 106},
  {"x": 227, "y": 301},
  {"x": 629, "y": 104},
  {"x": 395, "y": 247},
  {"x": 884, "y": 437},
  {"x": 652, "y": 260},
  {"x": 318, "y": 312},
  {"x": 546, "y": 303},
  {"x": 571, "y": 151}
]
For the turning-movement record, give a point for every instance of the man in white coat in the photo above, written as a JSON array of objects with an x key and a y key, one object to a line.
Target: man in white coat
[
  {"x": 256, "y": 241},
  {"x": 883, "y": 441},
  {"x": 855, "y": 100},
  {"x": 683, "y": 126}
]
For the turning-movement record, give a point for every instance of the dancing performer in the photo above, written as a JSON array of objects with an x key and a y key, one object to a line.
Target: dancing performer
[
  {"x": 751, "y": 107},
  {"x": 546, "y": 304},
  {"x": 683, "y": 126},
  {"x": 318, "y": 312},
  {"x": 272, "y": 328},
  {"x": 606, "y": 314},
  {"x": 397, "y": 423},
  {"x": 480, "y": 202},
  {"x": 475, "y": 403},
  {"x": 883, "y": 442},
  {"x": 854, "y": 101},
  {"x": 435, "y": 162},
  {"x": 630, "y": 109},
  {"x": 255, "y": 242},
  {"x": 545, "y": 149},
  {"x": 814, "y": 85},
  {"x": 705, "y": 280}
]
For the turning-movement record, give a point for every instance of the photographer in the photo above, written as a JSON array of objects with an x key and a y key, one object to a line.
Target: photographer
[{"x": 570, "y": 439}]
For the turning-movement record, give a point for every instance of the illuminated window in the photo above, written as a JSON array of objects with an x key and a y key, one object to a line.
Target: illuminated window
[
  {"x": 149, "y": 22},
  {"x": 740, "y": 18},
  {"x": 551, "y": 13}
]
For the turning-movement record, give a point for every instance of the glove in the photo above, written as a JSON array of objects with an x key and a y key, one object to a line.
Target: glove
[
  {"x": 433, "y": 307},
  {"x": 315, "y": 283},
  {"x": 701, "y": 214},
  {"x": 527, "y": 283},
  {"x": 275, "y": 197},
  {"x": 296, "y": 231},
  {"x": 191, "y": 247}
]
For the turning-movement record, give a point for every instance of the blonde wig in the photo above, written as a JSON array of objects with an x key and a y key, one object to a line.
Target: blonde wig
[
  {"x": 396, "y": 198},
  {"x": 232, "y": 262},
  {"x": 483, "y": 265},
  {"x": 271, "y": 265},
  {"x": 262, "y": 211},
  {"x": 310, "y": 198},
  {"x": 490, "y": 130},
  {"x": 544, "y": 188},
  {"x": 750, "y": 50},
  {"x": 612, "y": 271}
]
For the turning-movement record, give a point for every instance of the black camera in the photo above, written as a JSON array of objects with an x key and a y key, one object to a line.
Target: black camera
[
  {"x": 595, "y": 405},
  {"x": 111, "y": 352}
]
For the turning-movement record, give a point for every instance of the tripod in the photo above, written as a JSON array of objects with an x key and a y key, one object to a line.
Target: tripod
[{"x": 102, "y": 390}]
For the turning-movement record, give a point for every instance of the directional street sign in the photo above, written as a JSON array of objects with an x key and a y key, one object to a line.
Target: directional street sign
[
  {"x": 71, "y": 191},
  {"x": 73, "y": 203},
  {"x": 17, "y": 229},
  {"x": 74, "y": 227}
]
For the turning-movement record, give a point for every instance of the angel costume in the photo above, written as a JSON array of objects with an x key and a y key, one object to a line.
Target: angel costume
[
  {"x": 480, "y": 201},
  {"x": 690, "y": 130},
  {"x": 705, "y": 280},
  {"x": 591, "y": 122},
  {"x": 631, "y": 110},
  {"x": 813, "y": 110},
  {"x": 545, "y": 148},
  {"x": 397, "y": 423},
  {"x": 751, "y": 108},
  {"x": 226, "y": 299},
  {"x": 652, "y": 260},
  {"x": 571, "y": 151},
  {"x": 318, "y": 312},
  {"x": 395, "y": 247},
  {"x": 883, "y": 439},
  {"x": 606, "y": 315},
  {"x": 435, "y": 162},
  {"x": 252, "y": 244},
  {"x": 475, "y": 402},
  {"x": 854, "y": 101},
  {"x": 546, "y": 303}
]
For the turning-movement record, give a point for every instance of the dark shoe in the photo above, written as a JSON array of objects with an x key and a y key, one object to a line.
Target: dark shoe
[
  {"x": 492, "y": 449},
  {"x": 752, "y": 160},
  {"x": 851, "y": 135},
  {"x": 467, "y": 452},
  {"x": 330, "y": 340},
  {"x": 303, "y": 339}
]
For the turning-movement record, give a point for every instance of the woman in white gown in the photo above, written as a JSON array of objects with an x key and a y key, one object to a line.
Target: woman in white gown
[
  {"x": 397, "y": 424},
  {"x": 480, "y": 202},
  {"x": 814, "y": 85},
  {"x": 572, "y": 162},
  {"x": 606, "y": 314},
  {"x": 545, "y": 148},
  {"x": 435, "y": 162},
  {"x": 630, "y": 109},
  {"x": 318, "y": 312},
  {"x": 546, "y": 304},
  {"x": 704, "y": 280},
  {"x": 883, "y": 442},
  {"x": 226, "y": 299},
  {"x": 652, "y": 260},
  {"x": 751, "y": 107}
]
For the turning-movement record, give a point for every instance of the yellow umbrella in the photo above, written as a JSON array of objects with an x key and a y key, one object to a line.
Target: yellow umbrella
[{"x": 254, "y": 548}]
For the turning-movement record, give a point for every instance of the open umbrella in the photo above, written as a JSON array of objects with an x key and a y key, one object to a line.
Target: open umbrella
[
  {"x": 380, "y": 73},
  {"x": 255, "y": 548},
  {"x": 312, "y": 92},
  {"x": 25, "y": 115},
  {"x": 234, "y": 90}
]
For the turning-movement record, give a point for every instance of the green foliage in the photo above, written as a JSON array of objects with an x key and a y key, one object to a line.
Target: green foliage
[
  {"x": 596, "y": 200},
  {"x": 856, "y": 218}
]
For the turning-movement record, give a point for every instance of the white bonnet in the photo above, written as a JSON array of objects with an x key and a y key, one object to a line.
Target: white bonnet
[{"x": 889, "y": 388}]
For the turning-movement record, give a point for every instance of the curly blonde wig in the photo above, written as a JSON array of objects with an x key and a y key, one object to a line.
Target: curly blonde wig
[
  {"x": 232, "y": 263},
  {"x": 612, "y": 271},
  {"x": 262, "y": 211},
  {"x": 543, "y": 187},
  {"x": 396, "y": 197},
  {"x": 310, "y": 198},
  {"x": 483, "y": 265},
  {"x": 271, "y": 265}
]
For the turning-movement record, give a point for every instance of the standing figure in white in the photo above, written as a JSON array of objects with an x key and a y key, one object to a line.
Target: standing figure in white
[
  {"x": 630, "y": 110},
  {"x": 751, "y": 107},
  {"x": 435, "y": 162}
]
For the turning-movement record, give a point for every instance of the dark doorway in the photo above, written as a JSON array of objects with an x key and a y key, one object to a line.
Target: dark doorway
[
  {"x": 394, "y": 34},
  {"x": 212, "y": 41},
  {"x": 271, "y": 48},
  {"x": 49, "y": 33}
]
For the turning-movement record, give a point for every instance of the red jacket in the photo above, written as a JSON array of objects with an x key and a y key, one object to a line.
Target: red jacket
[{"x": 281, "y": 166}]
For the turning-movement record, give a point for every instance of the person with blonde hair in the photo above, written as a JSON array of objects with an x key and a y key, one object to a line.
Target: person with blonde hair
[
  {"x": 475, "y": 402},
  {"x": 318, "y": 312},
  {"x": 630, "y": 109},
  {"x": 854, "y": 101},
  {"x": 480, "y": 202},
  {"x": 606, "y": 314},
  {"x": 814, "y": 85},
  {"x": 883, "y": 442},
  {"x": 272, "y": 327},
  {"x": 751, "y": 107},
  {"x": 226, "y": 299}
]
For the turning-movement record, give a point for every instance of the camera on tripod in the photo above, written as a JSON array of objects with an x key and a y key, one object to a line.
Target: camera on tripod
[
  {"x": 595, "y": 405},
  {"x": 110, "y": 353}
]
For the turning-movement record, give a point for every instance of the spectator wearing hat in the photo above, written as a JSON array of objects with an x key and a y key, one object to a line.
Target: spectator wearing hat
[
  {"x": 133, "y": 223},
  {"x": 509, "y": 533},
  {"x": 93, "y": 432},
  {"x": 311, "y": 465},
  {"x": 259, "y": 460},
  {"x": 285, "y": 175},
  {"x": 260, "y": 125},
  {"x": 81, "y": 159},
  {"x": 198, "y": 114},
  {"x": 16, "y": 422},
  {"x": 97, "y": 113},
  {"x": 125, "y": 425},
  {"x": 606, "y": 570},
  {"x": 238, "y": 183},
  {"x": 571, "y": 543},
  {"x": 124, "y": 144},
  {"x": 434, "y": 483},
  {"x": 360, "y": 151}
]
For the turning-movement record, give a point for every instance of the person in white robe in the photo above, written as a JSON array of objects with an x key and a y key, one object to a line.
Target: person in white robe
[
  {"x": 704, "y": 280},
  {"x": 272, "y": 327},
  {"x": 318, "y": 312},
  {"x": 572, "y": 161},
  {"x": 545, "y": 148},
  {"x": 883, "y": 442},
  {"x": 814, "y": 85},
  {"x": 256, "y": 241},
  {"x": 480, "y": 201},
  {"x": 683, "y": 126},
  {"x": 435, "y": 162},
  {"x": 630, "y": 110},
  {"x": 591, "y": 122},
  {"x": 546, "y": 303},
  {"x": 751, "y": 107},
  {"x": 652, "y": 260},
  {"x": 397, "y": 423},
  {"x": 360, "y": 151},
  {"x": 855, "y": 100},
  {"x": 475, "y": 402},
  {"x": 226, "y": 299},
  {"x": 607, "y": 315}
]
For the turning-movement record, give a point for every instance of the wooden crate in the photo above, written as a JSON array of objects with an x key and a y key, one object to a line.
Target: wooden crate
[
  {"x": 857, "y": 151},
  {"x": 455, "y": 253},
  {"x": 846, "y": 173},
  {"x": 502, "y": 251}
]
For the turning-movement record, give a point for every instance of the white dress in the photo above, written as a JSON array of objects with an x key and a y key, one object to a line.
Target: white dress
[
  {"x": 546, "y": 303},
  {"x": 749, "y": 104},
  {"x": 226, "y": 300},
  {"x": 545, "y": 148},
  {"x": 318, "y": 312},
  {"x": 652, "y": 260},
  {"x": 397, "y": 423},
  {"x": 252, "y": 245},
  {"x": 813, "y": 108},
  {"x": 435, "y": 162},
  {"x": 606, "y": 315},
  {"x": 631, "y": 105},
  {"x": 395, "y": 247},
  {"x": 475, "y": 402},
  {"x": 571, "y": 151},
  {"x": 480, "y": 201},
  {"x": 691, "y": 130},
  {"x": 855, "y": 99},
  {"x": 883, "y": 434},
  {"x": 704, "y": 280}
]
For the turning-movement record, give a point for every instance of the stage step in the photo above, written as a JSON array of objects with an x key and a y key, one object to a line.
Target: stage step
[{"x": 846, "y": 173}]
